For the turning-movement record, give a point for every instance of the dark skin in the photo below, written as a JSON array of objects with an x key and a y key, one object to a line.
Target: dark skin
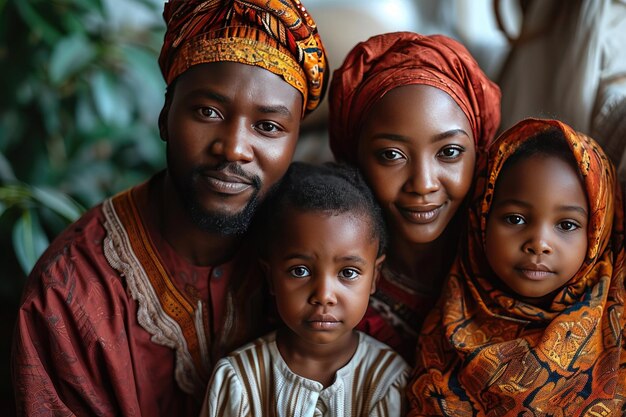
[
  {"x": 416, "y": 150},
  {"x": 322, "y": 269},
  {"x": 222, "y": 114}
]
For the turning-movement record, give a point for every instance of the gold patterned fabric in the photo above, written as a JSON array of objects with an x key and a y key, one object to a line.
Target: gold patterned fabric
[
  {"x": 482, "y": 352},
  {"x": 277, "y": 35}
]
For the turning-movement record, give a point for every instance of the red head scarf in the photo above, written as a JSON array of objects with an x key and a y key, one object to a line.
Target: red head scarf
[
  {"x": 391, "y": 60},
  {"x": 278, "y": 35},
  {"x": 483, "y": 351}
]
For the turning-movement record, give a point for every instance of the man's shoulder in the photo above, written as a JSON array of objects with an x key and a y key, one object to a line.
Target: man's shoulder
[{"x": 74, "y": 257}]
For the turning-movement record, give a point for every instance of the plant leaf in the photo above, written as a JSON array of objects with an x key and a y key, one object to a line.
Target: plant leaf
[
  {"x": 69, "y": 56},
  {"x": 29, "y": 240},
  {"x": 58, "y": 202}
]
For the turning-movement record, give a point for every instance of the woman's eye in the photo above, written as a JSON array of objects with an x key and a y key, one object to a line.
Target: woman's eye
[
  {"x": 568, "y": 226},
  {"x": 451, "y": 152},
  {"x": 349, "y": 274},
  {"x": 514, "y": 219},
  {"x": 299, "y": 272},
  {"x": 390, "y": 155}
]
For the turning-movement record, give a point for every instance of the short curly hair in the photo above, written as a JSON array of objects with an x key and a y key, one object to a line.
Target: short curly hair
[{"x": 330, "y": 188}]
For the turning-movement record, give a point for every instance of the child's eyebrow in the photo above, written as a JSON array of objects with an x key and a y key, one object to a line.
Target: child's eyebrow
[
  {"x": 564, "y": 207},
  {"x": 578, "y": 209},
  {"x": 352, "y": 258}
]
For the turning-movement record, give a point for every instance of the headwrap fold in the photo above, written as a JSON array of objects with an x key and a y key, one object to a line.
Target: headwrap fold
[
  {"x": 384, "y": 62},
  {"x": 277, "y": 35},
  {"x": 484, "y": 352}
]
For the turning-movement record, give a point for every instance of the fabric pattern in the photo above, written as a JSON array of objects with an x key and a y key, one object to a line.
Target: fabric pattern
[
  {"x": 277, "y": 35},
  {"x": 95, "y": 340},
  {"x": 256, "y": 381},
  {"x": 384, "y": 62},
  {"x": 483, "y": 352}
]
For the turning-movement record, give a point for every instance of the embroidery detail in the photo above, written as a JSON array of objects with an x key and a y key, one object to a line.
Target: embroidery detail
[{"x": 162, "y": 310}]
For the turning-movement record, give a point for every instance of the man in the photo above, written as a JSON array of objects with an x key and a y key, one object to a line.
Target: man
[{"x": 128, "y": 310}]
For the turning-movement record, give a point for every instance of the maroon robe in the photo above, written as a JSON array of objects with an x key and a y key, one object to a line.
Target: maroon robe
[{"x": 114, "y": 322}]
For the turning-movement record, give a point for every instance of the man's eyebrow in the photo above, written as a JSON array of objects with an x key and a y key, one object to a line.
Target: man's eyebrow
[
  {"x": 277, "y": 109},
  {"x": 203, "y": 92}
]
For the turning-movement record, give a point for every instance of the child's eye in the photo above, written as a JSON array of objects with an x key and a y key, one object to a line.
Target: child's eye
[
  {"x": 514, "y": 219},
  {"x": 299, "y": 272},
  {"x": 349, "y": 274},
  {"x": 451, "y": 152},
  {"x": 568, "y": 226}
]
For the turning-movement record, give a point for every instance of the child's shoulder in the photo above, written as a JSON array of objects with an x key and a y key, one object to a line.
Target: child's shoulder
[
  {"x": 375, "y": 353},
  {"x": 260, "y": 344}
]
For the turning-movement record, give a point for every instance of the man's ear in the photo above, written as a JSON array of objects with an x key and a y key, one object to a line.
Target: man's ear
[
  {"x": 265, "y": 267},
  {"x": 377, "y": 267}
]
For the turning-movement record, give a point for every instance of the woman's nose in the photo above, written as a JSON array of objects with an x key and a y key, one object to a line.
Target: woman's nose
[{"x": 423, "y": 178}]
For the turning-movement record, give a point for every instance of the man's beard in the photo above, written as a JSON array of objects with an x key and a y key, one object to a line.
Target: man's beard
[{"x": 226, "y": 224}]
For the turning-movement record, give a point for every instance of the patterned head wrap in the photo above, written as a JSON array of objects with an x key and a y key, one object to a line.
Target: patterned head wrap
[
  {"x": 485, "y": 352},
  {"x": 391, "y": 60},
  {"x": 277, "y": 35}
]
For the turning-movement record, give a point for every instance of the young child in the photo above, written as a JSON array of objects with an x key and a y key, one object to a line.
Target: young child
[
  {"x": 531, "y": 319},
  {"x": 323, "y": 249}
]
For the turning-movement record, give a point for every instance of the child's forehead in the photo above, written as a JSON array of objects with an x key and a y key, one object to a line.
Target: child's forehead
[{"x": 294, "y": 215}]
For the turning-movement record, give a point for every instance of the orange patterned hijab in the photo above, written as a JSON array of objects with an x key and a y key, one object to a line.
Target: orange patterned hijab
[
  {"x": 483, "y": 352},
  {"x": 277, "y": 35}
]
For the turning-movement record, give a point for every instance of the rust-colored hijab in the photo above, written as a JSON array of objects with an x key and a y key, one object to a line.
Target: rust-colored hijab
[
  {"x": 384, "y": 62},
  {"x": 483, "y": 352}
]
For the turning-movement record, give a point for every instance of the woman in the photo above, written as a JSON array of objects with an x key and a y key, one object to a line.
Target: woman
[{"x": 412, "y": 112}]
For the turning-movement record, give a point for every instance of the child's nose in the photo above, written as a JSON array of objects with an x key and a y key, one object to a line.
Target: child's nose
[
  {"x": 537, "y": 245},
  {"x": 323, "y": 292}
]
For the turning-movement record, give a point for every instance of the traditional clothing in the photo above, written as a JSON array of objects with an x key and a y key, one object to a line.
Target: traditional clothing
[
  {"x": 256, "y": 381},
  {"x": 114, "y": 322},
  {"x": 277, "y": 35},
  {"x": 372, "y": 69},
  {"x": 485, "y": 352},
  {"x": 384, "y": 62}
]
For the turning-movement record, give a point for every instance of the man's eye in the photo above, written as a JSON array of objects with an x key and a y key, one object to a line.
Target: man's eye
[
  {"x": 349, "y": 274},
  {"x": 514, "y": 219},
  {"x": 208, "y": 112},
  {"x": 299, "y": 272},
  {"x": 269, "y": 127}
]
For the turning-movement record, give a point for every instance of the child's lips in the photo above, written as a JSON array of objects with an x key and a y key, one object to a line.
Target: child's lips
[
  {"x": 323, "y": 321},
  {"x": 535, "y": 272}
]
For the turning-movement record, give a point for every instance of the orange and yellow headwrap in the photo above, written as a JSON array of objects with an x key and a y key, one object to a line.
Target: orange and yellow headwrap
[{"x": 277, "y": 35}]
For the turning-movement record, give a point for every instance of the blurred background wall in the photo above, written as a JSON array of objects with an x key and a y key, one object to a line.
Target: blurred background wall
[{"x": 80, "y": 93}]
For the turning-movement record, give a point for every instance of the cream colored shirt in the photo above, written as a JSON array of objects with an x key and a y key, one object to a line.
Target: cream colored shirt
[{"x": 255, "y": 381}]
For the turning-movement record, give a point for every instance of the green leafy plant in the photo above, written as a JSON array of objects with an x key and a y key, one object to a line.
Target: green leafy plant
[{"x": 81, "y": 93}]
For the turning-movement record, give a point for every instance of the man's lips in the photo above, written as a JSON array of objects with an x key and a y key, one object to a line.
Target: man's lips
[
  {"x": 536, "y": 272},
  {"x": 422, "y": 213},
  {"x": 224, "y": 183}
]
